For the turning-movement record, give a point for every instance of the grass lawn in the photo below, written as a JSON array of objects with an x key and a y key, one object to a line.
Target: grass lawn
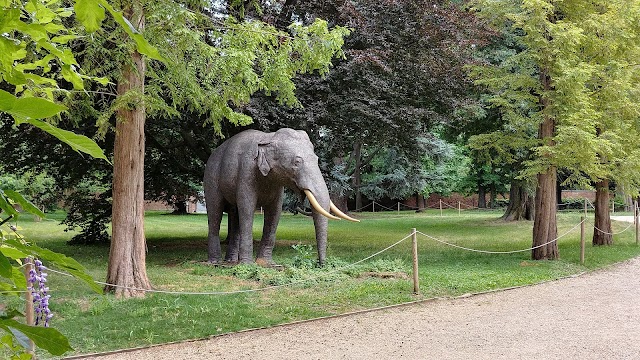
[{"x": 177, "y": 249}]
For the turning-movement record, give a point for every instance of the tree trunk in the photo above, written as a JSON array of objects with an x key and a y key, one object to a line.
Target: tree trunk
[
  {"x": 602, "y": 223},
  {"x": 482, "y": 197},
  {"x": 545, "y": 228},
  {"x": 357, "y": 175},
  {"x": 544, "y": 225},
  {"x": 128, "y": 247},
  {"x": 180, "y": 207},
  {"x": 492, "y": 196},
  {"x": 520, "y": 203},
  {"x": 420, "y": 203}
]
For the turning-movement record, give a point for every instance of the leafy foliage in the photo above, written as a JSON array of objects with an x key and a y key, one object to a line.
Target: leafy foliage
[
  {"x": 588, "y": 50},
  {"x": 35, "y": 58},
  {"x": 13, "y": 250}
]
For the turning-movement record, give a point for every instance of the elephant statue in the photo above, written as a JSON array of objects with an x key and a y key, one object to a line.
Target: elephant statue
[{"x": 250, "y": 170}]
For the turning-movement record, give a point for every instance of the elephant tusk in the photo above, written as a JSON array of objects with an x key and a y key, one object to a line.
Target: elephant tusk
[
  {"x": 339, "y": 213},
  {"x": 317, "y": 207}
]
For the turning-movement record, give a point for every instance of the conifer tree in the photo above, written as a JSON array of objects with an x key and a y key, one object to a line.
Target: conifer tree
[{"x": 576, "y": 80}]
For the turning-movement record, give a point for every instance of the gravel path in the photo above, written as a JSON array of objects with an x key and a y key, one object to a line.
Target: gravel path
[{"x": 593, "y": 316}]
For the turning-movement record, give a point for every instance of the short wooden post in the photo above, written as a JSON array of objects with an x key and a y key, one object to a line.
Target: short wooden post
[
  {"x": 582, "y": 240},
  {"x": 261, "y": 211},
  {"x": 585, "y": 208},
  {"x": 398, "y": 206},
  {"x": 459, "y": 212},
  {"x": 613, "y": 206},
  {"x": 28, "y": 298},
  {"x": 440, "y": 207},
  {"x": 374, "y": 206},
  {"x": 414, "y": 243},
  {"x": 637, "y": 212}
]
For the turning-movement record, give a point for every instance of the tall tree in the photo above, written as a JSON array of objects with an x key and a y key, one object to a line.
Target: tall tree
[
  {"x": 564, "y": 75},
  {"x": 213, "y": 64},
  {"x": 402, "y": 76},
  {"x": 127, "y": 271}
]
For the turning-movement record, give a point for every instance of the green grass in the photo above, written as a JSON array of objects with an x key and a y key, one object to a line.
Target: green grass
[{"x": 177, "y": 248}]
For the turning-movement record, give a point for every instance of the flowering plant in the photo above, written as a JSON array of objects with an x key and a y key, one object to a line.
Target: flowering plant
[
  {"x": 14, "y": 249},
  {"x": 37, "y": 285}
]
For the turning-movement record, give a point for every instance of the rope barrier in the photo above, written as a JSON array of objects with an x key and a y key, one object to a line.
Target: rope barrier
[
  {"x": 384, "y": 207},
  {"x": 247, "y": 290},
  {"x": 450, "y": 206},
  {"x": 314, "y": 278},
  {"x": 608, "y": 233},
  {"x": 499, "y": 252}
]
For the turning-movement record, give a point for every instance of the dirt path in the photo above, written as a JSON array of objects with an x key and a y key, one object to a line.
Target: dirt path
[{"x": 593, "y": 316}]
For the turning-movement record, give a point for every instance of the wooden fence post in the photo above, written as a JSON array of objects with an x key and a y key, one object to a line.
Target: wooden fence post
[
  {"x": 374, "y": 206},
  {"x": 585, "y": 208},
  {"x": 440, "y": 207},
  {"x": 582, "y": 240},
  {"x": 414, "y": 243},
  {"x": 398, "y": 206},
  {"x": 635, "y": 215},
  {"x": 459, "y": 213}
]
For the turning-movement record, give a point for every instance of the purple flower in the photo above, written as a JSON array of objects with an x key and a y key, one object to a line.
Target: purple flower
[{"x": 37, "y": 284}]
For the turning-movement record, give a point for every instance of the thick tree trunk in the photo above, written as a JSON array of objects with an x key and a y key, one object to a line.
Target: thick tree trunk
[
  {"x": 420, "y": 203},
  {"x": 357, "y": 175},
  {"x": 482, "y": 197},
  {"x": 180, "y": 207},
  {"x": 492, "y": 196},
  {"x": 602, "y": 223},
  {"x": 520, "y": 203},
  {"x": 128, "y": 247},
  {"x": 544, "y": 225},
  {"x": 545, "y": 229}
]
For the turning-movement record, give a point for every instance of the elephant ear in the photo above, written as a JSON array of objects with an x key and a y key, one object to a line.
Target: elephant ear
[{"x": 263, "y": 164}]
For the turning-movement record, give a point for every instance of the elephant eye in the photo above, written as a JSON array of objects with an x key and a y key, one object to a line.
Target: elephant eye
[{"x": 297, "y": 161}]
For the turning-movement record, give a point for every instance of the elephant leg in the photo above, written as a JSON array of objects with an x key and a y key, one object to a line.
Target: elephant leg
[
  {"x": 246, "y": 209},
  {"x": 214, "y": 215},
  {"x": 271, "y": 218},
  {"x": 233, "y": 235}
]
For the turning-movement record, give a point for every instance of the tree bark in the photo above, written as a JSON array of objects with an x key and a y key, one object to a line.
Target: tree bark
[
  {"x": 520, "y": 203},
  {"x": 602, "y": 223},
  {"x": 420, "y": 202},
  {"x": 492, "y": 196},
  {"x": 180, "y": 207},
  {"x": 128, "y": 246},
  {"x": 545, "y": 227},
  {"x": 482, "y": 197}
]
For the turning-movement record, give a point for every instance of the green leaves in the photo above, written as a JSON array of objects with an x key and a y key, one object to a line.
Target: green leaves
[
  {"x": 77, "y": 142},
  {"x": 90, "y": 14},
  {"x": 28, "y": 108},
  {"x": 48, "y": 339},
  {"x": 24, "y": 203}
]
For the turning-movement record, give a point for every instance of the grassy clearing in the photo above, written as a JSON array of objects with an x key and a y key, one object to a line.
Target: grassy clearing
[{"x": 177, "y": 248}]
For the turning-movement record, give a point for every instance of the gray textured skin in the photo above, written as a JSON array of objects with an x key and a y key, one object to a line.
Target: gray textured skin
[{"x": 250, "y": 170}]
